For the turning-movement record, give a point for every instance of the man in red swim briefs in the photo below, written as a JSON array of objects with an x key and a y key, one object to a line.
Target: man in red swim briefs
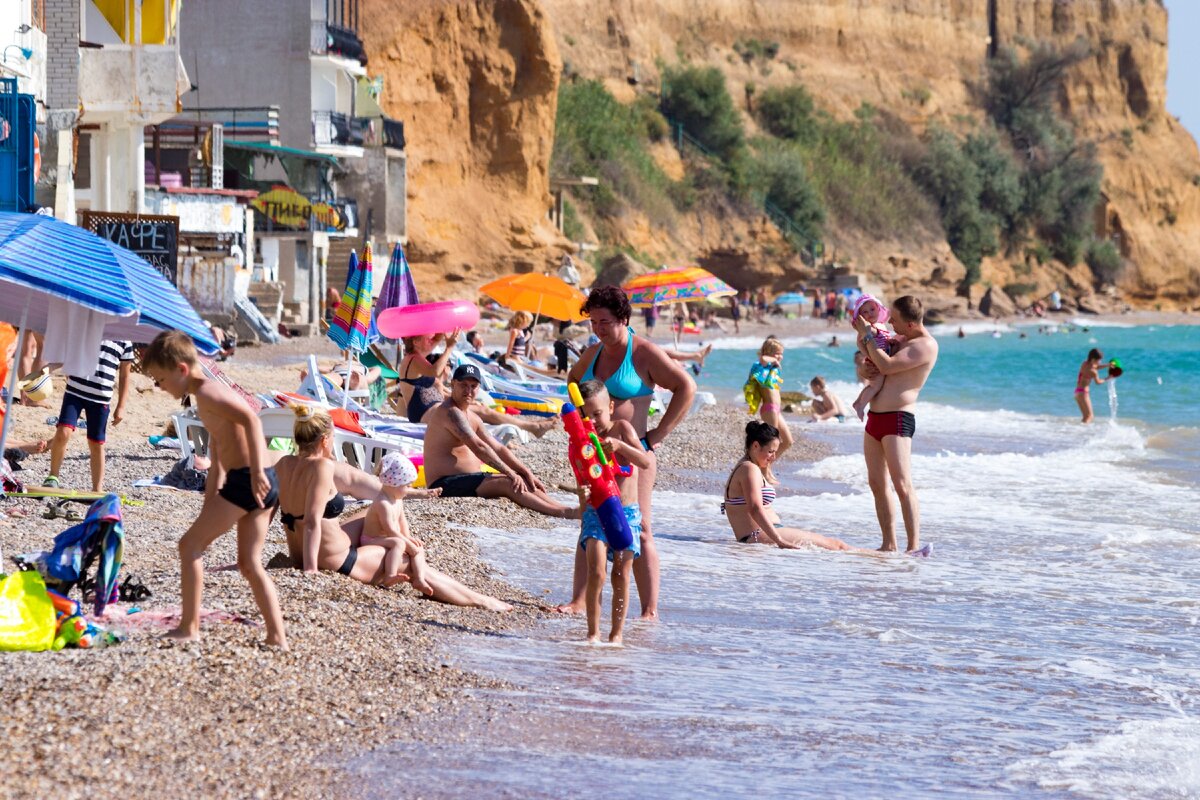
[{"x": 891, "y": 423}]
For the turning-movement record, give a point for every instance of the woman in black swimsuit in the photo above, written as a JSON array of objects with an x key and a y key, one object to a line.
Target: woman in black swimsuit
[
  {"x": 311, "y": 500},
  {"x": 418, "y": 378}
]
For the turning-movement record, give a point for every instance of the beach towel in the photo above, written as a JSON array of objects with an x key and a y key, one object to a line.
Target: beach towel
[{"x": 99, "y": 540}]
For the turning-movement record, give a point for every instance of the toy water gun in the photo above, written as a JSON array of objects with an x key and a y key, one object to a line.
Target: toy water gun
[
  {"x": 1114, "y": 368},
  {"x": 593, "y": 469}
]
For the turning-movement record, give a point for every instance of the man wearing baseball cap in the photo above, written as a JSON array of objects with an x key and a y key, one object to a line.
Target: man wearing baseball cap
[{"x": 457, "y": 447}]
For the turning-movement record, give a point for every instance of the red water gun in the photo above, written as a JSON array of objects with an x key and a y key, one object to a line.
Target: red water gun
[{"x": 593, "y": 469}]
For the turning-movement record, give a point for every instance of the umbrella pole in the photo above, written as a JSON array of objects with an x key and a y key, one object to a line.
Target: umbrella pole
[{"x": 12, "y": 380}]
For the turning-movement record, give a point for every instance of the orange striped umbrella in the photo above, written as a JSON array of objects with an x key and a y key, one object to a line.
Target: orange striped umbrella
[{"x": 675, "y": 285}]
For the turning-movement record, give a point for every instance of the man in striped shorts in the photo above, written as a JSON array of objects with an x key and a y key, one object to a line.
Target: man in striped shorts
[{"x": 91, "y": 397}]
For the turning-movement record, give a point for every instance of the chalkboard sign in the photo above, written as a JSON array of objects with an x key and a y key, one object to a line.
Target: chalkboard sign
[{"x": 151, "y": 236}]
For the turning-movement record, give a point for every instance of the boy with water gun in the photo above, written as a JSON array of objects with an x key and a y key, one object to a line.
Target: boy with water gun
[{"x": 619, "y": 442}]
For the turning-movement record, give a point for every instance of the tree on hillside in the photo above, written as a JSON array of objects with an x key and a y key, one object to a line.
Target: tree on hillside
[
  {"x": 1014, "y": 86},
  {"x": 697, "y": 98}
]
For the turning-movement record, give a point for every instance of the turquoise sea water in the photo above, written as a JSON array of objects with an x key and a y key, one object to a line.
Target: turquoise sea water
[
  {"x": 1034, "y": 375},
  {"x": 1049, "y": 648}
]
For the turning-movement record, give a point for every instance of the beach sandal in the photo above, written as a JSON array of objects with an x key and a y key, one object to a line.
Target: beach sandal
[
  {"x": 61, "y": 511},
  {"x": 131, "y": 590}
]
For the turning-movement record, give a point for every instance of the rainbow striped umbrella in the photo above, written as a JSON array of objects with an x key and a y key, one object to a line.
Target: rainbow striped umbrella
[
  {"x": 675, "y": 285},
  {"x": 352, "y": 327}
]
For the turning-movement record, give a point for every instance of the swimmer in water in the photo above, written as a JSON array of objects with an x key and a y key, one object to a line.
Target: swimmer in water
[{"x": 1089, "y": 371}]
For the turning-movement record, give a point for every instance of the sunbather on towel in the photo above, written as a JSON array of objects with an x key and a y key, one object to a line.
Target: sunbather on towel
[{"x": 457, "y": 446}]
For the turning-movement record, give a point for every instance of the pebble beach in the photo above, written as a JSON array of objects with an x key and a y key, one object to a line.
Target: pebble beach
[{"x": 228, "y": 717}]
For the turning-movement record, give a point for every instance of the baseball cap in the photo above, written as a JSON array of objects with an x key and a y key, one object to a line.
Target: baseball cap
[{"x": 468, "y": 372}]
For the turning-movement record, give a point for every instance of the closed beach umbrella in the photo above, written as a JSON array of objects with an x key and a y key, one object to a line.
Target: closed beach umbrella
[
  {"x": 49, "y": 268},
  {"x": 399, "y": 289},
  {"x": 352, "y": 324},
  {"x": 675, "y": 285},
  {"x": 353, "y": 328},
  {"x": 540, "y": 295}
]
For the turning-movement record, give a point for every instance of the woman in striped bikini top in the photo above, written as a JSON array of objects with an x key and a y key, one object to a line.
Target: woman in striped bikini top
[{"x": 748, "y": 497}]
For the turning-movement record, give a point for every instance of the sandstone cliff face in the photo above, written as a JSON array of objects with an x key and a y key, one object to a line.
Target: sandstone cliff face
[
  {"x": 920, "y": 60},
  {"x": 475, "y": 82}
]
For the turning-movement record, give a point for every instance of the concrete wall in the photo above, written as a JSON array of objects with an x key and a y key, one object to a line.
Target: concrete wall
[
  {"x": 378, "y": 181},
  {"x": 251, "y": 54},
  {"x": 208, "y": 281}
]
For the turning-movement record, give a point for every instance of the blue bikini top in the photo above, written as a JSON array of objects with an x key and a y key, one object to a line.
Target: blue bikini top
[{"x": 625, "y": 383}]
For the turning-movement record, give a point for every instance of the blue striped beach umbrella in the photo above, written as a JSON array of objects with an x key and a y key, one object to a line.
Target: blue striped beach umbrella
[
  {"x": 399, "y": 289},
  {"x": 44, "y": 261}
]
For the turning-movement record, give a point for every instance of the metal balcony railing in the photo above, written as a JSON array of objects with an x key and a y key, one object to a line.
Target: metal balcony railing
[
  {"x": 326, "y": 38},
  {"x": 330, "y": 128}
]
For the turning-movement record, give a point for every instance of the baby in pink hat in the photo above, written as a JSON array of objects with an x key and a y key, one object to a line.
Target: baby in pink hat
[
  {"x": 876, "y": 315},
  {"x": 387, "y": 526}
]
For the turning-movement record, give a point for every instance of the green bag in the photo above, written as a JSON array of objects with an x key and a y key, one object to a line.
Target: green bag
[{"x": 26, "y": 614}]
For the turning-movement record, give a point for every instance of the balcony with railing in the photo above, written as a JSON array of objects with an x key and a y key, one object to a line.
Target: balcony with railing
[
  {"x": 333, "y": 130},
  {"x": 335, "y": 30}
]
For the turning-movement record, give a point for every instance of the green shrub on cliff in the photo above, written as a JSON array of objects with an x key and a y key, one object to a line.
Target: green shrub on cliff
[
  {"x": 782, "y": 178},
  {"x": 788, "y": 112},
  {"x": 696, "y": 97},
  {"x": 953, "y": 180},
  {"x": 1105, "y": 260},
  {"x": 596, "y": 135}
]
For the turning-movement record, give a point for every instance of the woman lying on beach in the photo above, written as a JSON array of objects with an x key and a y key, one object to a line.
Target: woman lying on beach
[
  {"x": 748, "y": 497},
  {"x": 311, "y": 484}
]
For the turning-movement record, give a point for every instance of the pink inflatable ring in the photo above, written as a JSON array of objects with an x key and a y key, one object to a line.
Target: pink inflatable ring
[{"x": 425, "y": 319}]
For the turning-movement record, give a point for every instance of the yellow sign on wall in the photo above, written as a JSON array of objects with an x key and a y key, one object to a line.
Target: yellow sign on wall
[{"x": 285, "y": 206}]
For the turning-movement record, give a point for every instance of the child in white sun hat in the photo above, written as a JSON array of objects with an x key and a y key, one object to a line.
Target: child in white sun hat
[{"x": 387, "y": 526}]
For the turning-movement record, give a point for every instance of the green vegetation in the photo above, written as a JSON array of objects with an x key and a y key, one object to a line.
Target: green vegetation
[
  {"x": 697, "y": 98},
  {"x": 572, "y": 227},
  {"x": 788, "y": 113},
  {"x": 754, "y": 49},
  {"x": 1105, "y": 260},
  {"x": 1019, "y": 289},
  {"x": 596, "y": 135},
  {"x": 782, "y": 178}
]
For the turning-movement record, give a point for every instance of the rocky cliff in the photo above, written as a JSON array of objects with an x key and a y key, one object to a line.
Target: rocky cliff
[
  {"x": 923, "y": 60},
  {"x": 475, "y": 82}
]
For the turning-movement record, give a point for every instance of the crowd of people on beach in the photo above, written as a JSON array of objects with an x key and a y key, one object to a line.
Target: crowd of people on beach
[{"x": 618, "y": 373}]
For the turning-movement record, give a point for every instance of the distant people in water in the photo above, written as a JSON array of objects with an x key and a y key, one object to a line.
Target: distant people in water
[
  {"x": 748, "y": 497},
  {"x": 1089, "y": 372},
  {"x": 833, "y": 342},
  {"x": 961, "y": 333}
]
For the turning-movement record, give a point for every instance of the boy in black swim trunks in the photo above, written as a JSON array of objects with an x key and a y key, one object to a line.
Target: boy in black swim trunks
[{"x": 240, "y": 489}]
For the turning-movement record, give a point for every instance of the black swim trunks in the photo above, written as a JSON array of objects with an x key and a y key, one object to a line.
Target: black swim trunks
[
  {"x": 238, "y": 491},
  {"x": 460, "y": 485},
  {"x": 348, "y": 565}
]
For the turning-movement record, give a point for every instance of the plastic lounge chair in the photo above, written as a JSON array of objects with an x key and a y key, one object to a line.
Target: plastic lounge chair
[{"x": 363, "y": 452}]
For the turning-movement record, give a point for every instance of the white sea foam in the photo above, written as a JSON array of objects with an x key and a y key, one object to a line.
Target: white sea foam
[
  {"x": 951, "y": 329},
  {"x": 1146, "y": 758}
]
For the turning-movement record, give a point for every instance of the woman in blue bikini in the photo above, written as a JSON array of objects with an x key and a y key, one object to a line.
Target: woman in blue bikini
[
  {"x": 748, "y": 498},
  {"x": 630, "y": 367}
]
